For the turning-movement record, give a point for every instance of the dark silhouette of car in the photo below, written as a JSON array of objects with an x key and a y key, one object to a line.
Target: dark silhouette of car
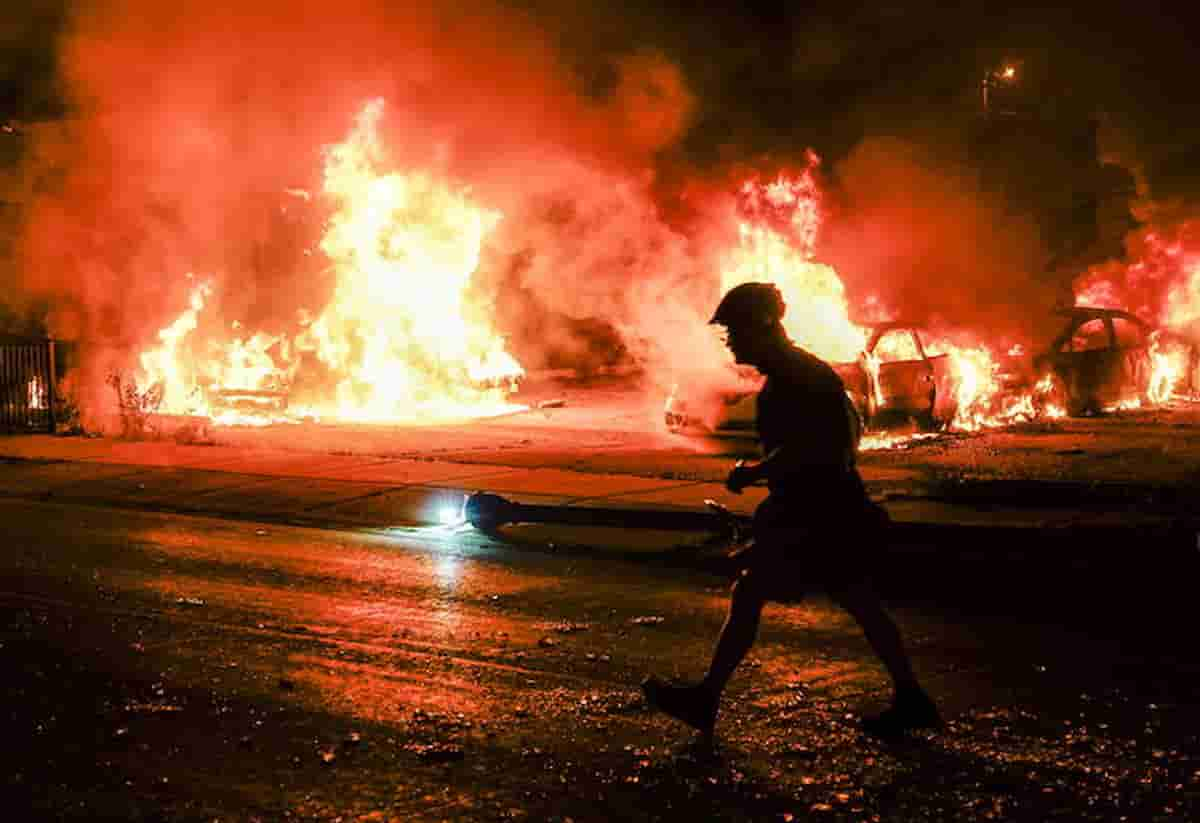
[
  {"x": 1102, "y": 357},
  {"x": 894, "y": 380}
]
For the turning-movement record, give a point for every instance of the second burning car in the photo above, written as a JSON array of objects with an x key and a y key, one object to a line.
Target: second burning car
[
  {"x": 894, "y": 379},
  {"x": 1107, "y": 357}
]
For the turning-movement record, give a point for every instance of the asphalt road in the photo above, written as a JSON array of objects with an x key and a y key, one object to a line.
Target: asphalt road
[{"x": 168, "y": 667}]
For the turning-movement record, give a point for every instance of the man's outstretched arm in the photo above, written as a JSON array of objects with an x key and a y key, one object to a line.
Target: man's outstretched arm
[{"x": 748, "y": 474}]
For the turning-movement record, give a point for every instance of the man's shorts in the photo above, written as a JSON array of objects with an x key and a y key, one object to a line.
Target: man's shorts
[{"x": 798, "y": 549}]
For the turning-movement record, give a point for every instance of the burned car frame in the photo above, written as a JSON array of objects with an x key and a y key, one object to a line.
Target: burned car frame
[
  {"x": 894, "y": 379},
  {"x": 1103, "y": 357}
]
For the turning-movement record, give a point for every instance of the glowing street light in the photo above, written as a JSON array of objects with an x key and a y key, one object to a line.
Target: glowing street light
[
  {"x": 1005, "y": 74},
  {"x": 451, "y": 515}
]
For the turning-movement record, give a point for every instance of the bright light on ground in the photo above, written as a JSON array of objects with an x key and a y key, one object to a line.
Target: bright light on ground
[{"x": 452, "y": 513}]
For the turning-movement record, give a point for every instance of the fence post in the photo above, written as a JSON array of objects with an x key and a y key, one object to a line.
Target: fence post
[{"x": 51, "y": 385}]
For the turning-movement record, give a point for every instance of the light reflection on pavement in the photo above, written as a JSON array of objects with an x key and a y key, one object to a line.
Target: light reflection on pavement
[{"x": 479, "y": 679}]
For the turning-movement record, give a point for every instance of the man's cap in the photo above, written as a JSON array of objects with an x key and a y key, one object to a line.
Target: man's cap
[{"x": 750, "y": 304}]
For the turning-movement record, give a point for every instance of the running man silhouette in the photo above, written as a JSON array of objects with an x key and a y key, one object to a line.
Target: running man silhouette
[{"x": 816, "y": 530}]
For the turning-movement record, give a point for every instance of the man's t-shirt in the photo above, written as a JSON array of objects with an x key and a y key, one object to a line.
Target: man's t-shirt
[{"x": 803, "y": 408}]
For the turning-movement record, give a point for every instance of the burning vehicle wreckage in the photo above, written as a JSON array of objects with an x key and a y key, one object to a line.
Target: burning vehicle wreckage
[
  {"x": 1103, "y": 360},
  {"x": 1109, "y": 358},
  {"x": 400, "y": 338},
  {"x": 404, "y": 332},
  {"x": 894, "y": 378}
]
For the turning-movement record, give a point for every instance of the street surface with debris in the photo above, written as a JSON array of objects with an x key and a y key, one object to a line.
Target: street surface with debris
[{"x": 200, "y": 632}]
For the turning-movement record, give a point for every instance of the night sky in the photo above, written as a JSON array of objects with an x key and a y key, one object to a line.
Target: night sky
[
  {"x": 771, "y": 75},
  {"x": 827, "y": 74},
  {"x": 608, "y": 136},
  {"x": 28, "y": 31}
]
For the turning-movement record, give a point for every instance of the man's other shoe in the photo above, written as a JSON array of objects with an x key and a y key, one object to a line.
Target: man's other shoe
[
  {"x": 912, "y": 710},
  {"x": 693, "y": 705}
]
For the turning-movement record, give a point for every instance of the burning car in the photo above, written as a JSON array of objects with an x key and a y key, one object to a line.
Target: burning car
[
  {"x": 1106, "y": 357},
  {"x": 895, "y": 379}
]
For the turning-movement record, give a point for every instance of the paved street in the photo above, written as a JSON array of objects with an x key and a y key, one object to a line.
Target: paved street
[
  {"x": 172, "y": 667},
  {"x": 268, "y": 625},
  {"x": 1131, "y": 470},
  {"x": 374, "y": 377}
]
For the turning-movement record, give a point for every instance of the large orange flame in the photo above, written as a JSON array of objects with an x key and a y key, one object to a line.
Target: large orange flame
[
  {"x": 777, "y": 233},
  {"x": 1169, "y": 362},
  {"x": 403, "y": 337},
  {"x": 1161, "y": 284},
  {"x": 401, "y": 329},
  {"x": 37, "y": 394},
  {"x": 982, "y": 400}
]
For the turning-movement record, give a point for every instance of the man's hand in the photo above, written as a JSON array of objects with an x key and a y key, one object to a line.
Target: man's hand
[{"x": 741, "y": 476}]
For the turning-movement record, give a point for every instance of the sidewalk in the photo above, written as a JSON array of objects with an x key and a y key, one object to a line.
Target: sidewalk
[{"x": 359, "y": 491}]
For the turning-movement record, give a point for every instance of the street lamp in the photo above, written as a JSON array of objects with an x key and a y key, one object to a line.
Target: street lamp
[{"x": 1005, "y": 74}]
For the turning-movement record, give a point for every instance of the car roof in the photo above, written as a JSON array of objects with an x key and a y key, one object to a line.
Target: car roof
[
  {"x": 1092, "y": 312},
  {"x": 894, "y": 324}
]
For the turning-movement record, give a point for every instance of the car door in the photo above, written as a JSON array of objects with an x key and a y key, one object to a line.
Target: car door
[
  {"x": 945, "y": 384},
  {"x": 1132, "y": 358},
  {"x": 1083, "y": 359},
  {"x": 903, "y": 377}
]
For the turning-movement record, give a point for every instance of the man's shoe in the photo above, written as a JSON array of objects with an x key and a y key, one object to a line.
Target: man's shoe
[
  {"x": 911, "y": 710},
  {"x": 692, "y": 705}
]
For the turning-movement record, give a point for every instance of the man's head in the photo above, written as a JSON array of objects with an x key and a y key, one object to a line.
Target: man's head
[{"x": 752, "y": 315}]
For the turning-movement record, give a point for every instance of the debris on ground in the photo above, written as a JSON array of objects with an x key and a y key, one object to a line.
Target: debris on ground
[
  {"x": 436, "y": 752},
  {"x": 648, "y": 620}
]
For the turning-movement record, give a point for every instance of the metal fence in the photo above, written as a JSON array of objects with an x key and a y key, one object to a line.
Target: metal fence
[{"x": 27, "y": 382}]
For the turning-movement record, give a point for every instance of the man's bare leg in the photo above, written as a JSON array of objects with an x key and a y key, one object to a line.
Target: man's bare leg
[
  {"x": 911, "y": 708},
  {"x": 737, "y": 635},
  {"x": 698, "y": 705},
  {"x": 863, "y": 604}
]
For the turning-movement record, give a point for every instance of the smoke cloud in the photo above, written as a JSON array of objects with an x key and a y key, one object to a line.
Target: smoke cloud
[
  {"x": 914, "y": 237},
  {"x": 193, "y": 153},
  {"x": 195, "y": 142}
]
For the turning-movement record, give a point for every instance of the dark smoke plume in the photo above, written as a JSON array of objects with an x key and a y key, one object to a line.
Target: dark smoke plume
[{"x": 914, "y": 235}]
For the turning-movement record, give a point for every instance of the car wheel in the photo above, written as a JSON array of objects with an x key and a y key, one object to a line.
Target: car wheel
[
  {"x": 927, "y": 421},
  {"x": 862, "y": 409},
  {"x": 1144, "y": 379},
  {"x": 1081, "y": 403},
  {"x": 1070, "y": 396}
]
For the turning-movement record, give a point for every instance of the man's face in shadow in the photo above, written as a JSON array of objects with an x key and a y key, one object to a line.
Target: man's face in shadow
[{"x": 746, "y": 343}]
